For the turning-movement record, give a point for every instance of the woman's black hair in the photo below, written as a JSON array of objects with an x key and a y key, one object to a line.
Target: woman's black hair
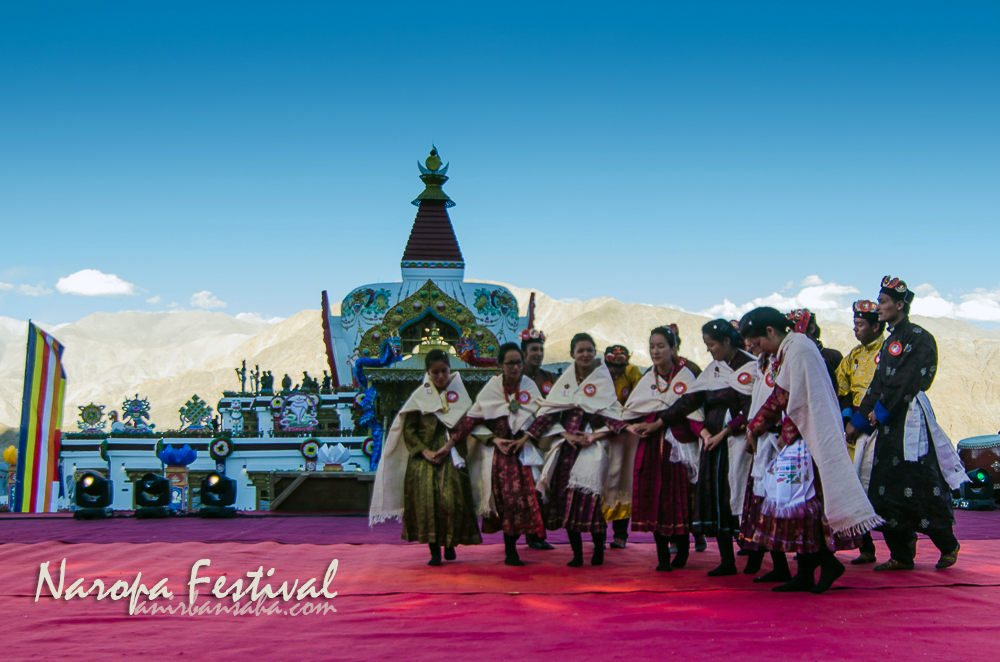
[
  {"x": 580, "y": 337},
  {"x": 508, "y": 347},
  {"x": 720, "y": 330},
  {"x": 436, "y": 356},
  {"x": 754, "y": 324},
  {"x": 667, "y": 333}
]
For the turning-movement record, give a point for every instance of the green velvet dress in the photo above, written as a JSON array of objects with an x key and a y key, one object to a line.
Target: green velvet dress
[{"x": 437, "y": 502}]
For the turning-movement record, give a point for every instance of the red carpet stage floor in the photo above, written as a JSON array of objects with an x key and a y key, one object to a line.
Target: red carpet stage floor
[
  {"x": 297, "y": 529},
  {"x": 390, "y": 603}
]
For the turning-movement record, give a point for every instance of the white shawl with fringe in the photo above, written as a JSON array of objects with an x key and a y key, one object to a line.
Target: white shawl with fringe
[
  {"x": 594, "y": 395},
  {"x": 449, "y": 407},
  {"x": 812, "y": 406},
  {"x": 647, "y": 398},
  {"x": 491, "y": 403}
]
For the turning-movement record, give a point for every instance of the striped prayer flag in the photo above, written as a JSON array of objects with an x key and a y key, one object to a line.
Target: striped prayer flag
[{"x": 41, "y": 422}]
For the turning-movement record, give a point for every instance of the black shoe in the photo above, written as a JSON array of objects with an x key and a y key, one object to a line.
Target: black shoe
[
  {"x": 598, "y": 557},
  {"x": 830, "y": 571},
  {"x": 799, "y": 583},
  {"x": 662, "y": 552},
  {"x": 534, "y": 542},
  {"x": 513, "y": 560},
  {"x": 617, "y": 543},
  {"x": 449, "y": 554},
  {"x": 700, "y": 544},
  {"x": 754, "y": 561},
  {"x": 576, "y": 544},
  {"x": 774, "y": 576},
  {"x": 683, "y": 545},
  {"x": 743, "y": 552},
  {"x": 723, "y": 570},
  {"x": 435, "y": 554}
]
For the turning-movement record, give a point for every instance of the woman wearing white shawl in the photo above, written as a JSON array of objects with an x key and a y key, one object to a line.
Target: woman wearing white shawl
[
  {"x": 503, "y": 419},
  {"x": 573, "y": 477},
  {"x": 814, "y": 502},
  {"x": 418, "y": 479},
  {"x": 667, "y": 459},
  {"x": 723, "y": 390},
  {"x": 763, "y": 386}
]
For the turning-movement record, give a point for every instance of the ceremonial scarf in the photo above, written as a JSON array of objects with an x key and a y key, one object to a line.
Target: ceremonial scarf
[
  {"x": 719, "y": 375},
  {"x": 647, "y": 398},
  {"x": 594, "y": 395},
  {"x": 491, "y": 403},
  {"x": 920, "y": 430},
  {"x": 812, "y": 406},
  {"x": 449, "y": 407}
]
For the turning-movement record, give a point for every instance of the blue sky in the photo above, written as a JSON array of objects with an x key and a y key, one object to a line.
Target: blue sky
[{"x": 683, "y": 153}]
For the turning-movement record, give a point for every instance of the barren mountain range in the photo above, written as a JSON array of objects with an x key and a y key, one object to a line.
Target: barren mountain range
[{"x": 168, "y": 357}]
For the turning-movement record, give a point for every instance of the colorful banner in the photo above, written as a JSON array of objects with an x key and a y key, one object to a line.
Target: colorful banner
[{"x": 41, "y": 422}]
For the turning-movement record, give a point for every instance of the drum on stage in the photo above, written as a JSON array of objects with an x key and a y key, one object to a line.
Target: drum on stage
[{"x": 982, "y": 453}]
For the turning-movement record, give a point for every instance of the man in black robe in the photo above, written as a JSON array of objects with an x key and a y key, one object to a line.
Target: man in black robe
[{"x": 910, "y": 496}]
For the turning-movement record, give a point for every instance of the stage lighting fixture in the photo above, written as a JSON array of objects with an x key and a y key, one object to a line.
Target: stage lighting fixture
[
  {"x": 978, "y": 494},
  {"x": 93, "y": 497},
  {"x": 218, "y": 496},
  {"x": 152, "y": 496}
]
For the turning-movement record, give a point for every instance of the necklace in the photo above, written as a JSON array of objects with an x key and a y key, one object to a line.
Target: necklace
[{"x": 515, "y": 404}]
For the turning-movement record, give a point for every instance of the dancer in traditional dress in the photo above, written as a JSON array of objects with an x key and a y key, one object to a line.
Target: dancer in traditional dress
[
  {"x": 503, "y": 423},
  {"x": 533, "y": 350},
  {"x": 724, "y": 392},
  {"x": 667, "y": 459},
  {"x": 618, "y": 495},
  {"x": 915, "y": 466},
  {"x": 577, "y": 463},
  {"x": 854, "y": 376},
  {"x": 814, "y": 503},
  {"x": 421, "y": 478}
]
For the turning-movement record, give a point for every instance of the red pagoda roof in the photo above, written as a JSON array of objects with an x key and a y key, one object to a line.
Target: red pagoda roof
[{"x": 432, "y": 237}]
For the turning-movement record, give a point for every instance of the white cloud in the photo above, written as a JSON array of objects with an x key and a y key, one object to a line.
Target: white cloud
[
  {"x": 155, "y": 299},
  {"x": 6, "y": 286},
  {"x": 34, "y": 290},
  {"x": 207, "y": 300},
  {"x": 981, "y": 305},
  {"x": 94, "y": 283},
  {"x": 819, "y": 297},
  {"x": 257, "y": 318}
]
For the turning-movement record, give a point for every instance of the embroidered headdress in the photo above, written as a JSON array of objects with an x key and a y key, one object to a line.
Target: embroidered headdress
[
  {"x": 801, "y": 317},
  {"x": 896, "y": 289},
  {"x": 532, "y": 334},
  {"x": 866, "y": 310},
  {"x": 616, "y": 355}
]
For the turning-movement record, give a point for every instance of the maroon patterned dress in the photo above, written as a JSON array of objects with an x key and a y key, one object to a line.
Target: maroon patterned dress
[
  {"x": 513, "y": 485},
  {"x": 808, "y": 531},
  {"x": 661, "y": 491},
  {"x": 569, "y": 508}
]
